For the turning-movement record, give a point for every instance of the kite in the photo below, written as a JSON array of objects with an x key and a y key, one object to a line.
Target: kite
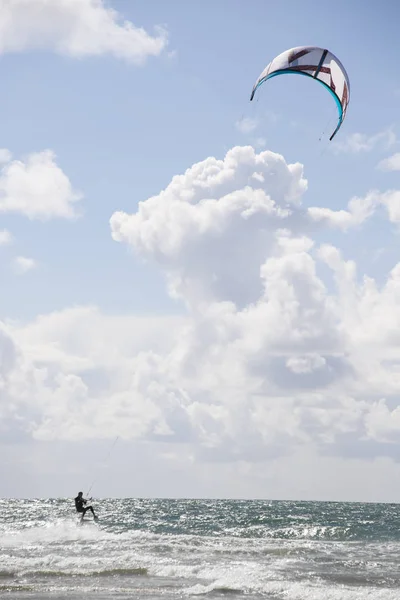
[{"x": 317, "y": 63}]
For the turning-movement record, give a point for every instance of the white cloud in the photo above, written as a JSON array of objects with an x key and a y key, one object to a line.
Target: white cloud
[
  {"x": 392, "y": 163},
  {"x": 391, "y": 200},
  {"x": 361, "y": 142},
  {"x": 79, "y": 374},
  {"x": 37, "y": 188},
  {"x": 23, "y": 264},
  {"x": 271, "y": 359},
  {"x": 359, "y": 210},
  {"x": 198, "y": 226},
  {"x": 76, "y": 28},
  {"x": 268, "y": 364},
  {"x": 5, "y": 155},
  {"x": 5, "y": 237},
  {"x": 305, "y": 364}
]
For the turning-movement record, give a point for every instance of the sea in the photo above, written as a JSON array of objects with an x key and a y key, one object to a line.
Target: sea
[{"x": 170, "y": 549}]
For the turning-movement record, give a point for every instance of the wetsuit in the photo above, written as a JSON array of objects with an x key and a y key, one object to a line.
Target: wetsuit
[{"x": 80, "y": 508}]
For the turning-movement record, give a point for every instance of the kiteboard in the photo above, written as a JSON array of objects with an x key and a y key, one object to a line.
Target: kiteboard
[{"x": 88, "y": 521}]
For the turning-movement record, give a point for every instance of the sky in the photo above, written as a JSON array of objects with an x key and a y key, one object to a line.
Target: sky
[{"x": 199, "y": 294}]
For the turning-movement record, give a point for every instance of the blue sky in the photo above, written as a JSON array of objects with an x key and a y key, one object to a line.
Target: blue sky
[
  {"x": 120, "y": 132},
  {"x": 204, "y": 328}
]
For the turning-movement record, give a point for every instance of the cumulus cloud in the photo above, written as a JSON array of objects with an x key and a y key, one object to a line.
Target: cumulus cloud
[
  {"x": 199, "y": 226},
  {"x": 76, "y": 28},
  {"x": 392, "y": 163},
  {"x": 78, "y": 374},
  {"x": 23, "y": 264},
  {"x": 37, "y": 188},
  {"x": 361, "y": 142},
  {"x": 270, "y": 357}
]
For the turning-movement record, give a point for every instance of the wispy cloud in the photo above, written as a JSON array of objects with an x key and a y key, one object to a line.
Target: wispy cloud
[
  {"x": 260, "y": 142},
  {"x": 5, "y": 155},
  {"x": 392, "y": 163},
  {"x": 22, "y": 264},
  {"x": 5, "y": 237},
  {"x": 246, "y": 125},
  {"x": 361, "y": 142}
]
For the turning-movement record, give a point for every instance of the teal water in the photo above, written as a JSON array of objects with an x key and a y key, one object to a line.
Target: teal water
[{"x": 213, "y": 548}]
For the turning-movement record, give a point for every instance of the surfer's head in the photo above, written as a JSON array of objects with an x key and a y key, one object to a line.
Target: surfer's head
[{"x": 80, "y": 494}]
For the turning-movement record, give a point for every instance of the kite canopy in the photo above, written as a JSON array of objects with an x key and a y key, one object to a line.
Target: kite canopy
[{"x": 318, "y": 63}]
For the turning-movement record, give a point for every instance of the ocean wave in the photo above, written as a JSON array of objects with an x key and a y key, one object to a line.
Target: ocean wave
[
  {"x": 108, "y": 572},
  {"x": 195, "y": 548}
]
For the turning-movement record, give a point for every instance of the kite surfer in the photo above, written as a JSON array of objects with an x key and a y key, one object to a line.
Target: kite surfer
[{"x": 80, "y": 508}]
